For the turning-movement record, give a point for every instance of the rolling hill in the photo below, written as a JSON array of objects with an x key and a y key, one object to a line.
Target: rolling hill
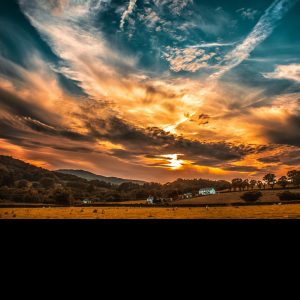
[{"x": 91, "y": 176}]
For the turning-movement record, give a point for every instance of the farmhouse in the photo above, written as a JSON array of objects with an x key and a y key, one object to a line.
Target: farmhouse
[
  {"x": 154, "y": 200},
  {"x": 188, "y": 195},
  {"x": 207, "y": 191},
  {"x": 150, "y": 200}
]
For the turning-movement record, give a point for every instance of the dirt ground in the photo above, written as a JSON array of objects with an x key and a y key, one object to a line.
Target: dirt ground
[
  {"x": 268, "y": 196},
  {"x": 253, "y": 212}
]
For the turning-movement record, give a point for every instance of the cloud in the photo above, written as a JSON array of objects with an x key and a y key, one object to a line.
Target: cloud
[
  {"x": 248, "y": 13},
  {"x": 57, "y": 6},
  {"x": 177, "y": 6},
  {"x": 211, "y": 45},
  {"x": 127, "y": 12},
  {"x": 285, "y": 72},
  {"x": 286, "y": 131},
  {"x": 263, "y": 29},
  {"x": 270, "y": 160},
  {"x": 132, "y": 108},
  {"x": 187, "y": 59},
  {"x": 174, "y": 6}
]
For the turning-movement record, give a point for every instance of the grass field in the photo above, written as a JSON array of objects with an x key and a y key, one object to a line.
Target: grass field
[{"x": 253, "y": 212}]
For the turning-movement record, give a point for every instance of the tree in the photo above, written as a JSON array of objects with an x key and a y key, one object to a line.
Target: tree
[
  {"x": 6, "y": 178},
  {"x": 31, "y": 197},
  {"x": 141, "y": 194},
  {"x": 253, "y": 183},
  {"x": 283, "y": 181},
  {"x": 270, "y": 179},
  {"x": 259, "y": 184},
  {"x": 5, "y": 193},
  {"x": 294, "y": 177},
  {"x": 47, "y": 183},
  {"x": 288, "y": 196},
  {"x": 291, "y": 175},
  {"x": 17, "y": 196},
  {"x": 35, "y": 185},
  {"x": 237, "y": 183},
  {"x": 128, "y": 187},
  {"x": 246, "y": 184},
  {"x": 252, "y": 196},
  {"x": 111, "y": 199},
  {"x": 63, "y": 197},
  {"x": 91, "y": 188},
  {"x": 297, "y": 179},
  {"x": 23, "y": 184}
]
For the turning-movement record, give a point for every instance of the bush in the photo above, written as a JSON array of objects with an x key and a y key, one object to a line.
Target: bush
[
  {"x": 36, "y": 185},
  {"x": 78, "y": 202},
  {"x": 17, "y": 196},
  {"x": 23, "y": 184},
  {"x": 252, "y": 196},
  {"x": 111, "y": 199},
  {"x": 47, "y": 183},
  {"x": 31, "y": 198},
  {"x": 288, "y": 196},
  {"x": 63, "y": 197},
  {"x": 50, "y": 201}
]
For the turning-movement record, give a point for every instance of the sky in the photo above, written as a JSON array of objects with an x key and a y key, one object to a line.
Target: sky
[{"x": 152, "y": 90}]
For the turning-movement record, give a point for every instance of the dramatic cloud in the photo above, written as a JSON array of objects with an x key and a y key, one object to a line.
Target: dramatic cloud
[{"x": 135, "y": 88}]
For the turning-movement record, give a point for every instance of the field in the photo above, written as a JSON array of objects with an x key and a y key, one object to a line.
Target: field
[
  {"x": 252, "y": 212},
  {"x": 225, "y": 198}
]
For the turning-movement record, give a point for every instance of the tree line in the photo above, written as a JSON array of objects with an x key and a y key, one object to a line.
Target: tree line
[
  {"x": 292, "y": 178},
  {"x": 24, "y": 183}
]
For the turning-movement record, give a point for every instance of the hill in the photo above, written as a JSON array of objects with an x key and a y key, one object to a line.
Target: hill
[
  {"x": 90, "y": 176},
  {"x": 231, "y": 198},
  {"x": 22, "y": 170}
]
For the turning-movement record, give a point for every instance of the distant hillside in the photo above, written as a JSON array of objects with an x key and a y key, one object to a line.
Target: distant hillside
[
  {"x": 22, "y": 170},
  {"x": 91, "y": 176}
]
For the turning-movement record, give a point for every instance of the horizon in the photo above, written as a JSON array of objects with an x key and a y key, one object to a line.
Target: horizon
[{"x": 152, "y": 90}]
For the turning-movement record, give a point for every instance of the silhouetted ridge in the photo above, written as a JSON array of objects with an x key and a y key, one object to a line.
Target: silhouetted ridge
[{"x": 90, "y": 176}]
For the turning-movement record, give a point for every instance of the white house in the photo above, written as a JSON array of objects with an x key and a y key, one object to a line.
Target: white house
[
  {"x": 87, "y": 201},
  {"x": 207, "y": 191},
  {"x": 150, "y": 200}
]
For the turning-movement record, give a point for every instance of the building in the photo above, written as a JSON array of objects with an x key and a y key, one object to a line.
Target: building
[
  {"x": 150, "y": 200},
  {"x": 87, "y": 201},
  {"x": 188, "y": 195},
  {"x": 154, "y": 200},
  {"x": 207, "y": 191}
]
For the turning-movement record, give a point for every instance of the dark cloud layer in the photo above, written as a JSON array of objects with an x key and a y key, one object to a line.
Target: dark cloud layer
[
  {"x": 288, "y": 133},
  {"x": 18, "y": 107}
]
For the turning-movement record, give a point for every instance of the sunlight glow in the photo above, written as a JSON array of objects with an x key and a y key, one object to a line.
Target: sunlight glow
[{"x": 174, "y": 162}]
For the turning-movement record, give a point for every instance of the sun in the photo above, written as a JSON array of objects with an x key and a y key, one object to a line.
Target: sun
[{"x": 174, "y": 162}]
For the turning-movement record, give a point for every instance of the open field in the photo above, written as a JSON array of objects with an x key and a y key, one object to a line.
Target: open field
[
  {"x": 234, "y": 197},
  {"x": 252, "y": 212}
]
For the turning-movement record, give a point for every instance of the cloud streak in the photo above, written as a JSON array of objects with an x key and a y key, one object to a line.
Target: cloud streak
[
  {"x": 127, "y": 12},
  {"x": 263, "y": 29},
  {"x": 211, "y": 45}
]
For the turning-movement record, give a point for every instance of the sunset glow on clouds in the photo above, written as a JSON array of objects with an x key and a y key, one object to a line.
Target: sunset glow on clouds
[{"x": 149, "y": 89}]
